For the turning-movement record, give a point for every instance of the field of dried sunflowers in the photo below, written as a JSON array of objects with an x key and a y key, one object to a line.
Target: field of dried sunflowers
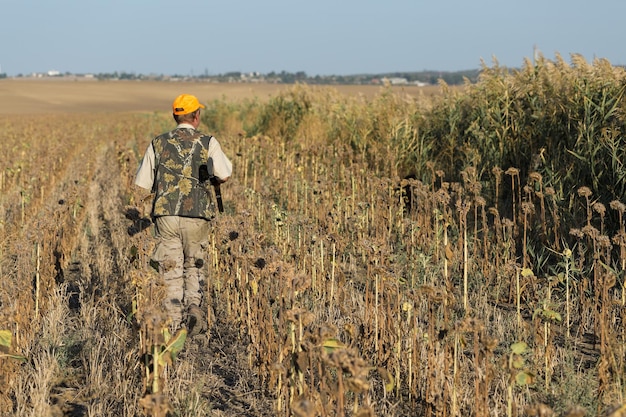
[{"x": 461, "y": 254}]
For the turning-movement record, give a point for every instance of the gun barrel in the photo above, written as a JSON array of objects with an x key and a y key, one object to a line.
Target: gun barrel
[{"x": 218, "y": 197}]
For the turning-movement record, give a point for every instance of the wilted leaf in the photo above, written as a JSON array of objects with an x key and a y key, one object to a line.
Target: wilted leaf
[
  {"x": 519, "y": 347},
  {"x": 5, "y": 344},
  {"x": 5, "y": 338},
  {"x": 527, "y": 272},
  {"x": 13, "y": 356},
  {"x": 172, "y": 348},
  {"x": 551, "y": 315},
  {"x": 332, "y": 344},
  {"x": 517, "y": 362},
  {"x": 387, "y": 379},
  {"x": 254, "y": 286},
  {"x": 166, "y": 335},
  {"x": 524, "y": 378},
  {"x": 176, "y": 344},
  {"x": 463, "y": 341}
]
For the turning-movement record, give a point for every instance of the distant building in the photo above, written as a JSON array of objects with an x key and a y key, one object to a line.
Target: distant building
[{"x": 398, "y": 81}]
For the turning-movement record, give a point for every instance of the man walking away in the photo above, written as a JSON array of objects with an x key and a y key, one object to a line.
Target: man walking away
[{"x": 178, "y": 167}]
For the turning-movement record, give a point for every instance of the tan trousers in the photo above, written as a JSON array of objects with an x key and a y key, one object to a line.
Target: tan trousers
[{"x": 181, "y": 253}]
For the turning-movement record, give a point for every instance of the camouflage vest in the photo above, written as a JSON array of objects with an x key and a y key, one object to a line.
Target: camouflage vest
[{"x": 181, "y": 182}]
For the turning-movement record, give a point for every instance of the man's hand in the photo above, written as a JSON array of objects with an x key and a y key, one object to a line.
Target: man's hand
[{"x": 215, "y": 181}]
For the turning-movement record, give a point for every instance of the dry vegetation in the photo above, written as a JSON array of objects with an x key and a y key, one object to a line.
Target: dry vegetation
[
  {"x": 390, "y": 254},
  {"x": 54, "y": 96}
]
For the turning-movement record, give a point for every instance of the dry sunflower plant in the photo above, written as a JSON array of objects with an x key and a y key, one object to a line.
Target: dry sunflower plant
[{"x": 441, "y": 256}]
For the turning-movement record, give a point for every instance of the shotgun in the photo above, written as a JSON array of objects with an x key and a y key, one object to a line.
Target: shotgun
[
  {"x": 218, "y": 193},
  {"x": 203, "y": 177}
]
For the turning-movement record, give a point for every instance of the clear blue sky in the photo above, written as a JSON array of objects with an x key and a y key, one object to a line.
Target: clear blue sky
[{"x": 321, "y": 37}]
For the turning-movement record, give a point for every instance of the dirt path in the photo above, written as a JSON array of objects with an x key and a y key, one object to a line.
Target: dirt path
[{"x": 212, "y": 375}]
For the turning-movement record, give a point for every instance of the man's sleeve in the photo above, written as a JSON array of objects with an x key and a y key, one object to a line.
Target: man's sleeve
[
  {"x": 219, "y": 164},
  {"x": 145, "y": 173}
]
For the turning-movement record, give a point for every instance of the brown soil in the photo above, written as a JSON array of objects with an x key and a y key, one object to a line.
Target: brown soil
[{"x": 62, "y": 96}]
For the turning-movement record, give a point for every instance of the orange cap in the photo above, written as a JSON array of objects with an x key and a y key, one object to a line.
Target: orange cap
[{"x": 185, "y": 103}]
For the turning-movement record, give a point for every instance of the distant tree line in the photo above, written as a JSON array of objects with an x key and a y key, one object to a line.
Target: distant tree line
[
  {"x": 426, "y": 77},
  {"x": 284, "y": 77}
]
